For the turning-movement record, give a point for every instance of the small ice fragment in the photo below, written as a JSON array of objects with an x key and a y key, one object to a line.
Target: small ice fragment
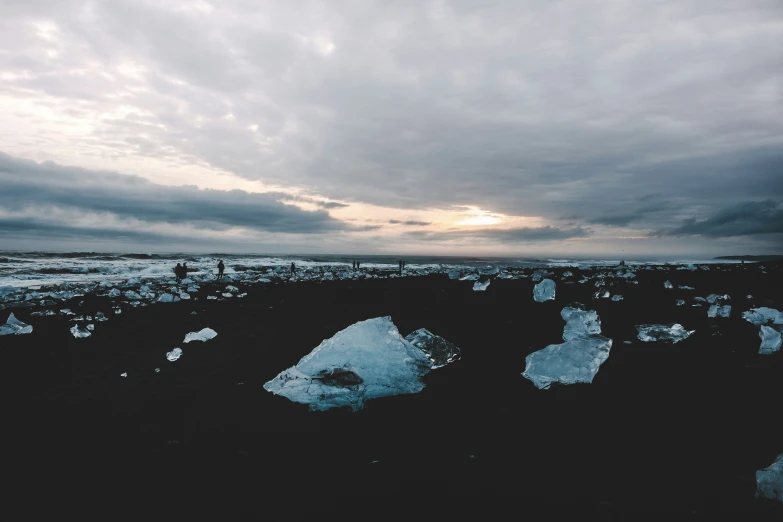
[
  {"x": 100, "y": 317},
  {"x": 667, "y": 284},
  {"x": 118, "y": 311},
  {"x": 174, "y": 354},
  {"x": 227, "y": 294},
  {"x": 43, "y": 313},
  {"x": 544, "y": 291},
  {"x": 168, "y": 298},
  {"x": 183, "y": 295},
  {"x": 480, "y": 287},
  {"x": 680, "y": 302},
  {"x": 769, "y": 481},
  {"x": 770, "y": 340},
  {"x": 658, "y": 332},
  {"x": 79, "y": 332},
  {"x": 157, "y": 370},
  {"x": 440, "y": 351},
  {"x": 719, "y": 311},
  {"x": 617, "y": 298},
  {"x": 567, "y": 274},
  {"x": 204, "y": 335},
  {"x": 186, "y": 281},
  {"x": 114, "y": 293},
  {"x": 232, "y": 288},
  {"x": 124, "y": 374},
  {"x": 454, "y": 274},
  {"x": 210, "y": 297},
  {"x": 686, "y": 287},
  {"x": 470, "y": 277},
  {"x": 66, "y": 311},
  {"x": 91, "y": 327},
  {"x": 14, "y": 326},
  {"x": 748, "y": 296},
  {"x": 601, "y": 294},
  {"x": 130, "y": 294},
  {"x": 193, "y": 313},
  {"x": 627, "y": 342}
]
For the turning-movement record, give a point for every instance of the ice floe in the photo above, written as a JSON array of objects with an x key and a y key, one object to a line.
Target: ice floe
[
  {"x": 769, "y": 481},
  {"x": 577, "y": 359},
  {"x": 367, "y": 360},
  {"x": 719, "y": 311},
  {"x": 544, "y": 291},
  {"x": 763, "y": 315},
  {"x": 174, "y": 354},
  {"x": 440, "y": 351},
  {"x": 203, "y": 335},
  {"x": 770, "y": 339},
  {"x": 14, "y": 326},
  {"x": 659, "y": 332}
]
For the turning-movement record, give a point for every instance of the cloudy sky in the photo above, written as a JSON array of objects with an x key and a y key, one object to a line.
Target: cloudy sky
[{"x": 543, "y": 127}]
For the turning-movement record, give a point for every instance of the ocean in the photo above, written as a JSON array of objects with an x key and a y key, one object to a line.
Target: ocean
[{"x": 23, "y": 269}]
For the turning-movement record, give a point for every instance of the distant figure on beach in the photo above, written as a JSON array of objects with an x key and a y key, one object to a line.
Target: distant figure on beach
[
  {"x": 403, "y": 265},
  {"x": 622, "y": 263},
  {"x": 400, "y": 265},
  {"x": 293, "y": 268},
  {"x": 358, "y": 265},
  {"x": 178, "y": 272},
  {"x": 184, "y": 270},
  {"x": 354, "y": 266},
  {"x": 221, "y": 267}
]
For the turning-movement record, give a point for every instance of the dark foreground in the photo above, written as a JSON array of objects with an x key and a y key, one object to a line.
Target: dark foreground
[{"x": 665, "y": 432}]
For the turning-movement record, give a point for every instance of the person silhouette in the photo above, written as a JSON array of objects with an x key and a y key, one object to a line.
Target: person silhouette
[
  {"x": 184, "y": 270},
  {"x": 221, "y": 267},
  {"x": 178, "y": 272},
  {"x": 293, "y": 268}
]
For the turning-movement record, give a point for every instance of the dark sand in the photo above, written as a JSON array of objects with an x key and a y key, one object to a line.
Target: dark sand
[{"x": 665, "y": 432}]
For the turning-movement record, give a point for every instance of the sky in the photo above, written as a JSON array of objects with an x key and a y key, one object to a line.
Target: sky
[{"x": 496, "y": 128}]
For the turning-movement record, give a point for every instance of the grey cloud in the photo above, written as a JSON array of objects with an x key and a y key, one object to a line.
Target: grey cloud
[
  {"x": 409, "y": 223},
  {"x": 27, "y": 184},
  {"x": 510, "y": 235},
  {"x": 432, "y": 105},
  {"x": 745, "y": 219}
]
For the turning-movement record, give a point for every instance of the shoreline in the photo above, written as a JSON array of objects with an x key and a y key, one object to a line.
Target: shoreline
[{"x": 664, "y": 429}]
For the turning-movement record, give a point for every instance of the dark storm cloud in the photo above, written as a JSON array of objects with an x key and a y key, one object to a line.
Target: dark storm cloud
[
  {"x": 26, "y": 184},
  {"x": 536, "y": 108},
  {"x": 510, "y": 235},
  {"x": 409, "y": 223},
  {"x": 745, "y": 219}
]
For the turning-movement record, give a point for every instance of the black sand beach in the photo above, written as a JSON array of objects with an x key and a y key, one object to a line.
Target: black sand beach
[{"x": 664, "y": 432}]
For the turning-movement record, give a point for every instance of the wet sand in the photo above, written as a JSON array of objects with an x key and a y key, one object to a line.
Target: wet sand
[{"x": 674, "y": 431}]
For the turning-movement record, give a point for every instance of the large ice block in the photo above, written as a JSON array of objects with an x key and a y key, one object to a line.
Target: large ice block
[
  {"x": 367, "y": 360},
  {"x": 203, "y": 335},
  {"x": 14, "y": 326},
  {"x": 577, "y": 359},
  {"x": 769, "y": 481},
  {"x": 659, "y": 332},
  {"x": 770, "y": 340}
]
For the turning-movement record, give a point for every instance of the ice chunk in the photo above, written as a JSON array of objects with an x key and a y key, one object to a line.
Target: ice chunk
[
  {"x": 601, "y": 294},
  {"x": 367, "y": 360},
  {"x": 577, "y": 359},
  {"x": 667, "y": 284},
  {"x": 658, "y": 332},
  {"x": 192, "y": 289},
  {"x": 114, "y": 293},
  {"x": 66, "y": 311},
  {"x": 204, "y": 335},
  {"x": 226, "y": 294},
  {"x": 544, "y": 291},
  {"x": 763, "y": 315},
  {"x": 130, "y": 294},
  {"x": 769, "y": 481},
  {"x": 100, "y": 317},
  {"x": 617, "y": 298},
  {"x": 174, "y": 354},
  {"x": 125, "y": 374},
  {"x": 91, "y": 327},
  {"x": 567, "y": 274},
  {"x": 43, "y": 313},
  {"x": 719, "y": 311},
  {"x": 14, "y": 326},
  {"x": 440, "y": 351},
  {"x": 712, "y": 298},
  {"x": 686, "y": 287},
  {"x": 770, "y": 340},
  {"x": 454, "y": 274},
  {"x": 183, "y": 295},
  {"x": 470, "y": 277},
  {"x": 186, "y": 281},
  {"x": 79, "y": 332},
  {"x": 168, "y": 298},
  {"x": 478, "y": 286},
  {"x": 231, "y": 288},
  {"x": 209, "y": 297},
  {"x": 680, "y": 302}
]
